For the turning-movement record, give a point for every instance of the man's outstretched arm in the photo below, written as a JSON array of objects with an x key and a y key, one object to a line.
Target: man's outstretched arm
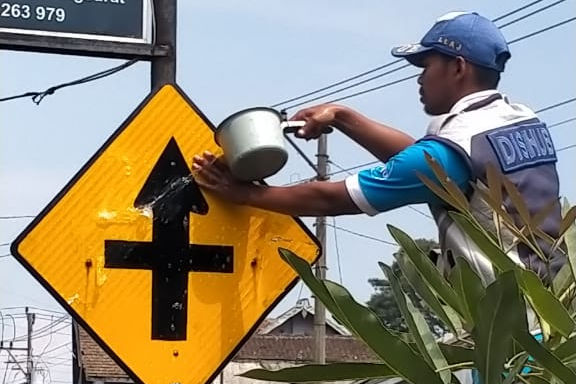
[
  {"x": 310, "y": 199},
  {"x": 379, "y": 139}
]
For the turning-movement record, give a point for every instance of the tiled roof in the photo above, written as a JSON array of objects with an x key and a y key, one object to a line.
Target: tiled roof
[
  {"x": 97, "y": 364},
  {"x": 302, "y": 308},
  {"x": 301, "y": 349}
]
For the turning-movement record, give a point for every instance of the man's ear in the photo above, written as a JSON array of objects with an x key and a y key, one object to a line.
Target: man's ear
[{"x": 461, "y": 66}]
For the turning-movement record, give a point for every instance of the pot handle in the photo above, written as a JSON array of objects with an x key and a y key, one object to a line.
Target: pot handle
[{"x": 292, "y": 126}]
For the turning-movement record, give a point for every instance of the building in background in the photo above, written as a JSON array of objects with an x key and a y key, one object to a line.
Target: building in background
[{"x": 281, "y": 342}]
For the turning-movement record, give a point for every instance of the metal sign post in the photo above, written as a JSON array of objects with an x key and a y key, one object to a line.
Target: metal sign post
[{"x": 164, "y": 68}]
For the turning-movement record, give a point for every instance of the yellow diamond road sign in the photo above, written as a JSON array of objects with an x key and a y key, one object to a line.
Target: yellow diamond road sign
[{"x": 167, "y": 278}]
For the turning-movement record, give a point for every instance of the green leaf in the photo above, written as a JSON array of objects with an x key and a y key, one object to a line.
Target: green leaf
[
  {"x": 455, "y": 354},
  {"x": 517, "y": 201},
  {"x": 544, "y": 357},
  {"x": 538, "y": 380},
  {"x": 419, "y": 285},
  {"x": 489, "y": 248},
  {"x": 427, "y": 269},
  {"x": 563, "y": 279},
  {"x": 494, "y": 179},
  {"x": 494, "y": 327},
  {"x": 567, "y": 350},
  {"x": 568, "y": 220},
  {"x": 318, "y": 288},
  {"x": 570, "y": 240},
  {"x": 439, "y": 191},
  {"x": 391, "y": 349},
  {"x": 417, "y": 325},
  {"x": 496, "y": 206},
  {"x": 453, "y": 190},
  {"x": 365, "y": 324},
  {"x": 469, "y": 287},
  {"x": 328, "y": 372},
  {"x": 544, "y": 302}
]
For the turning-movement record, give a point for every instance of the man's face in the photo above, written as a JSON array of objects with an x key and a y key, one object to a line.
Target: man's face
[{"x": 436, "y": 83}]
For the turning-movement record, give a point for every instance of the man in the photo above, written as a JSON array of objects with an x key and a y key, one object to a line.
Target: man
[{"x": 472, "y": 126}]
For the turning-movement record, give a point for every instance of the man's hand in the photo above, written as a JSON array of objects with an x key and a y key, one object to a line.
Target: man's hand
[
  {"x": 317, "y": 118},
  {"x": 309, "y": 199},
  {"x": 213, "y": 174}
]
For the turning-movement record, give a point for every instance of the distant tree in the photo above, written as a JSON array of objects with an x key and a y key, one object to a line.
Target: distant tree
[{"x": 382, "y": 300}]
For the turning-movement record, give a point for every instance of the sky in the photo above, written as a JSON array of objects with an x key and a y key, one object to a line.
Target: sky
[{"x": 238, "y": 54}]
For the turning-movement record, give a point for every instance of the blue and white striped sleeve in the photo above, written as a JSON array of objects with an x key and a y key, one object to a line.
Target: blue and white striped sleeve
[{"x": 396, "y": 183}]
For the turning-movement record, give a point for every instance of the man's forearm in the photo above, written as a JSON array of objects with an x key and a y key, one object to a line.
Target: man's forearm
[
  {"x": 311, "y": 199},
  {"x": 381, "y": 140}
]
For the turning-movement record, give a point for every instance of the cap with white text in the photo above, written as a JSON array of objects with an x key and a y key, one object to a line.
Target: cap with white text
[{"x": 465, "y": 34}]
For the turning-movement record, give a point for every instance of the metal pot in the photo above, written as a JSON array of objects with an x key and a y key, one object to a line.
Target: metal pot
[{"x": 253, "y": 142}]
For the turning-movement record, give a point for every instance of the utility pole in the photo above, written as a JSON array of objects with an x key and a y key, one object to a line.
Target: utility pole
[
  {"x": 163, "y": 70},
  {"x": 319, "y": 309},
  {"x": 29, "y": 364}
]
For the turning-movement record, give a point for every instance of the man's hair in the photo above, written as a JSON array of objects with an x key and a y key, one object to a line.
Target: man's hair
[{"x": 486, "y": 77}]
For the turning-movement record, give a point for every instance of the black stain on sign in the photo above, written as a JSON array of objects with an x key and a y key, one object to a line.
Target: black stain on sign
[{"x": 171, "y": 193}]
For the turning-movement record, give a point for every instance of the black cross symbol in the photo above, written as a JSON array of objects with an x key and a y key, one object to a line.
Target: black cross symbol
[{"x": 172, "y": 194}]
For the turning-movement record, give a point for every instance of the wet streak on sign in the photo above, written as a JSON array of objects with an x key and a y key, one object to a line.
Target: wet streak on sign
[{"x": 172, "y": 194}]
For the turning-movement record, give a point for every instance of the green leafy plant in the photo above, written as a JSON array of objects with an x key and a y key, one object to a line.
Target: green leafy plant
[
  {"x": 489, "y": 324},
  {"x": 383, "y": 302}
]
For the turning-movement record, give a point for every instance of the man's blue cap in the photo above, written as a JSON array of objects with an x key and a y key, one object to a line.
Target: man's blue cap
[{"x": 465, "y": 34}]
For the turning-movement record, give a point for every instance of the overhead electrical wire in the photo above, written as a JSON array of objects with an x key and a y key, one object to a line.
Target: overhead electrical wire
[
  {"x": 542, "y": 30},
  {"x": 337, "y": 247},
  {"x": 370, "y": 71},
  {"x": 515, "y": 11},
  {"x": 532, "y": 34},
  {"x": 566, "y": 147},
  {"x": 407, "y": 65},
  {"x": 23, "y": 308},
  {"x": 361, "y": 235},
  {"x": 562, "y": 122},
  {"x": 17, "y": 217},
  {"x": 37, "y": 97},
  {"x": 58, "y": 347},
  {"x": 529, "y": 14},
  {"x": 351, "y": 86},
  {"x": 568, "y": 101},
  {"x": 394, "y": 82},
  {"x": 338, "y": 83}
]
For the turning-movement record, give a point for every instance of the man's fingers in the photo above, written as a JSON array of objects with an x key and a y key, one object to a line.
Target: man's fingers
[
  {"x": 310, "y": 131},
  {"x": 300, "y": 115},
  {"x": 221, "y": 165},
  {"x": 209, "y": 156},
  {"x": 208, "y": 177},
  {"x": 200, "y": 161},
  {"x": 210, "y": 170}
]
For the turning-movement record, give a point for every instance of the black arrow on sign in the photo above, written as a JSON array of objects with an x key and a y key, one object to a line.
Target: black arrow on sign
[{"x": 171, "y": 193}]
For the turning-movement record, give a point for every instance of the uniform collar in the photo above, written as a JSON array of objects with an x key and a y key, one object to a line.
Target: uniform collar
[{"x": 470, "y": 99}]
